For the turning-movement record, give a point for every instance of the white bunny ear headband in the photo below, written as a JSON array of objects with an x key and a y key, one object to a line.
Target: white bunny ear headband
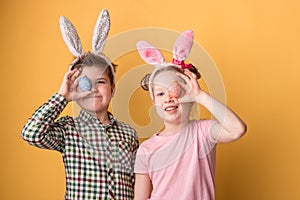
[
  {"x": 73, "y": 42},
  {"x": 181, "y": 50}
]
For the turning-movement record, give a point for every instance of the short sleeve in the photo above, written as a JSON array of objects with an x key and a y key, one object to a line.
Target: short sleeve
[
  {"x": 141, "y": 162},
  {"x": 206, "y": 142}
]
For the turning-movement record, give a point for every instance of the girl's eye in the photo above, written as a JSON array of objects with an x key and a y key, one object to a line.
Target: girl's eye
[{"x": 159, "y": 94}]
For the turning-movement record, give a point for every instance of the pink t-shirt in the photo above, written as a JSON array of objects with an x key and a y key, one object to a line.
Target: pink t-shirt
[{"x": 181, "y": 165}]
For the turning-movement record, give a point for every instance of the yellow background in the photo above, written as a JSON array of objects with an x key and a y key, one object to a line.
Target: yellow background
[{"x": 254, "y": 43}]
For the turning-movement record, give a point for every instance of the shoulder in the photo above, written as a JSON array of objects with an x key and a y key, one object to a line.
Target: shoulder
[
  {"x": 126, "y": 132},
  {"x": 66, "y": 120},
  {"x": 125, "y": 127},
  {"x": 203, "y": 125},
  {"x": 150, "y": 145},
  {"x": 121, "y": 125},
  {"x": 149, "y": 142},
  {"x": 202, "y": 128}
]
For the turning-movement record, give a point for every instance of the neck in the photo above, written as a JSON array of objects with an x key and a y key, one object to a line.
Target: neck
[
  {"x": 103, "y": 118},
  {"x": 171, "y": 128}
]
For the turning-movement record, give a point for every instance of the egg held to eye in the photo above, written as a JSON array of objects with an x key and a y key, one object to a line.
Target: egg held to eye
[
  {"x": 174, "y": 90},
  {"x": 85, "y": 84}
]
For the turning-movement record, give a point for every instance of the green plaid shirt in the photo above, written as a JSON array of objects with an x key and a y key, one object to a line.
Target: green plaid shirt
[{"x": 98, "y": 158}]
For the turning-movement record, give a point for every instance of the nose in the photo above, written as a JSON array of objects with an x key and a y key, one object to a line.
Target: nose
[
  {"x": 169, "y": 98},
  {"x": 94, "y": 89},
  {"x": 172, "y": 93}
]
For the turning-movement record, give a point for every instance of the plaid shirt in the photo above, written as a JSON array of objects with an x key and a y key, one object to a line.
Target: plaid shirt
[{"x": 98, "y": 158}]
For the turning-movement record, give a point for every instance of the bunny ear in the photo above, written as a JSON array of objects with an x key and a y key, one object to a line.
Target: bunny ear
[
  {"x": 149, "y": 53},
  {"x": 100, "y": 32},
  {"x": 183, "y": 45},
  {"x": 70, "y": 36}
]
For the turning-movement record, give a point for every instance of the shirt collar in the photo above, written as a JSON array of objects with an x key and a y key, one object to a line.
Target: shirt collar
[{"x": 85, "y": 116}]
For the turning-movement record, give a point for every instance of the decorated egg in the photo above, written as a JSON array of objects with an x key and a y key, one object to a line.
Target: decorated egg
[
  {"x": 85, "y": 84},
  {"x": 174, "y": 90}
]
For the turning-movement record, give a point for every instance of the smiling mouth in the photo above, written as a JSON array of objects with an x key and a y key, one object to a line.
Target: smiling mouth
[
  {"x": 93, "y": 97},
  {"x": 170, "y": 108}
]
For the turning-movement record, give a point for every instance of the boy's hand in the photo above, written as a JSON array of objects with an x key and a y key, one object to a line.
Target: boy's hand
[{"x": 68, "y": 88}]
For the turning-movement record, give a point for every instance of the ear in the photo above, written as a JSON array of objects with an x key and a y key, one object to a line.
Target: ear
[
  {"x": 100, "y": 32},
  {"x": 113, "y": 89},
  {"x": 70, "y": 36},
  {"x": 183, "y": 45},
  {"x": 149, "y": 53}
]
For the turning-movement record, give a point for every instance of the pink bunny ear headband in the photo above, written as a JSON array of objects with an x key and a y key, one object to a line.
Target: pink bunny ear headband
[
  {"x": 153, "y": 56},
  {"x": 73, "y": 42}
]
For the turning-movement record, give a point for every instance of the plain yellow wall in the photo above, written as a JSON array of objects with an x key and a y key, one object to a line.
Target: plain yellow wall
[{"x": 255, "y": 45}]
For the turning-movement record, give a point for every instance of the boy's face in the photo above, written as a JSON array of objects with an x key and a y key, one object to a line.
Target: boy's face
[
  {"x": 166, "y": 92},
  {"x": 97, "y": 102}
]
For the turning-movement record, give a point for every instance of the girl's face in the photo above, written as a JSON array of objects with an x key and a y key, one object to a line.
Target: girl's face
[
  {"x": 166, "y": 92},
  {"x": 102, "y": 91}
]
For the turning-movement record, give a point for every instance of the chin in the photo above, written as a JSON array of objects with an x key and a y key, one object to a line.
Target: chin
[{"x": 172, "y": 119}]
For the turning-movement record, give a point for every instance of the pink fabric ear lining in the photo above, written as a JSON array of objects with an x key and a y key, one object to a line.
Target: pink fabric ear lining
[
  {"x": 183, "y": 45},
  {"x": 153, "y": 56},
  {"x": 149, "y": 53}
]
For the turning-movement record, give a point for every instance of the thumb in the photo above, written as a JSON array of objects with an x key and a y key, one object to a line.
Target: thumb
[{"x": 78, "y": 95}]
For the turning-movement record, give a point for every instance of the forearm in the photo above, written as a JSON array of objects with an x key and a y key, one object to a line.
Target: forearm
[{"x": 231, "y": 124}]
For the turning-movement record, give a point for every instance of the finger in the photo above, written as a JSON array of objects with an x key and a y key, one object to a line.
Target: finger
[
  {"x": 83, "y": 94},
  {"x": 187, "y": 80},
  {"x": 69, "y": 74},
  {"x": 75, "y": 76},
  {"x": 74, "y": 85},
  {"x": 183, "y": 85},
  {"x": 184, "y": 77},
  {"x": 76, "y": 82},
  {"x": 190, "y": 74},
  {"x": 184, "y": 99},
  {"x": 193, "y": 78}
]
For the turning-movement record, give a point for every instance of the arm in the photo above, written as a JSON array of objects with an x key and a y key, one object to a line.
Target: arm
[
  {"x": 41, "y": 130},
  {"x": 142, "y": 187},
  {"x": 229, "y": 127}
]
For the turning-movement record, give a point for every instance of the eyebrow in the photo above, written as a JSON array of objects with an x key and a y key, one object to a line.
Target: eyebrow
[
  {"x": 158, "y": 88},
  {"x": 101, "y": 78}
]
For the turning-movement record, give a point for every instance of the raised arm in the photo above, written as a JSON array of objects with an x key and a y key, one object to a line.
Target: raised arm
[
  {"x": 41, "y": 130},
  {"x": 229, "y": 127}
]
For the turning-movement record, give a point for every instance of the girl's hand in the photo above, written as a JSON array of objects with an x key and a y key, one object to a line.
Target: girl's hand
[
  {"x": 68, "y": 88},
  {"x": 191, "y": 87}
]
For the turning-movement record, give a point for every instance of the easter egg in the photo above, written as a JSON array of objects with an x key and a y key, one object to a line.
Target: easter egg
[
  {"x": 85, "y": 84},
  {"x": 174, "y": 90}
]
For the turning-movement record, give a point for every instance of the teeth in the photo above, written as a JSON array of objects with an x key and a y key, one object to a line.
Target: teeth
[{"x": 170, "y": 108}]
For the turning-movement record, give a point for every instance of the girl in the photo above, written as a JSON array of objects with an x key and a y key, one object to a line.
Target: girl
[
  {"x": 179, "y": 161},
  {"x": 98, "y": 150}
]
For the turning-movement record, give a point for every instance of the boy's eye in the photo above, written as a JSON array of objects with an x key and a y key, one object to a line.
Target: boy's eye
[{"x": 100, "y": 82}]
